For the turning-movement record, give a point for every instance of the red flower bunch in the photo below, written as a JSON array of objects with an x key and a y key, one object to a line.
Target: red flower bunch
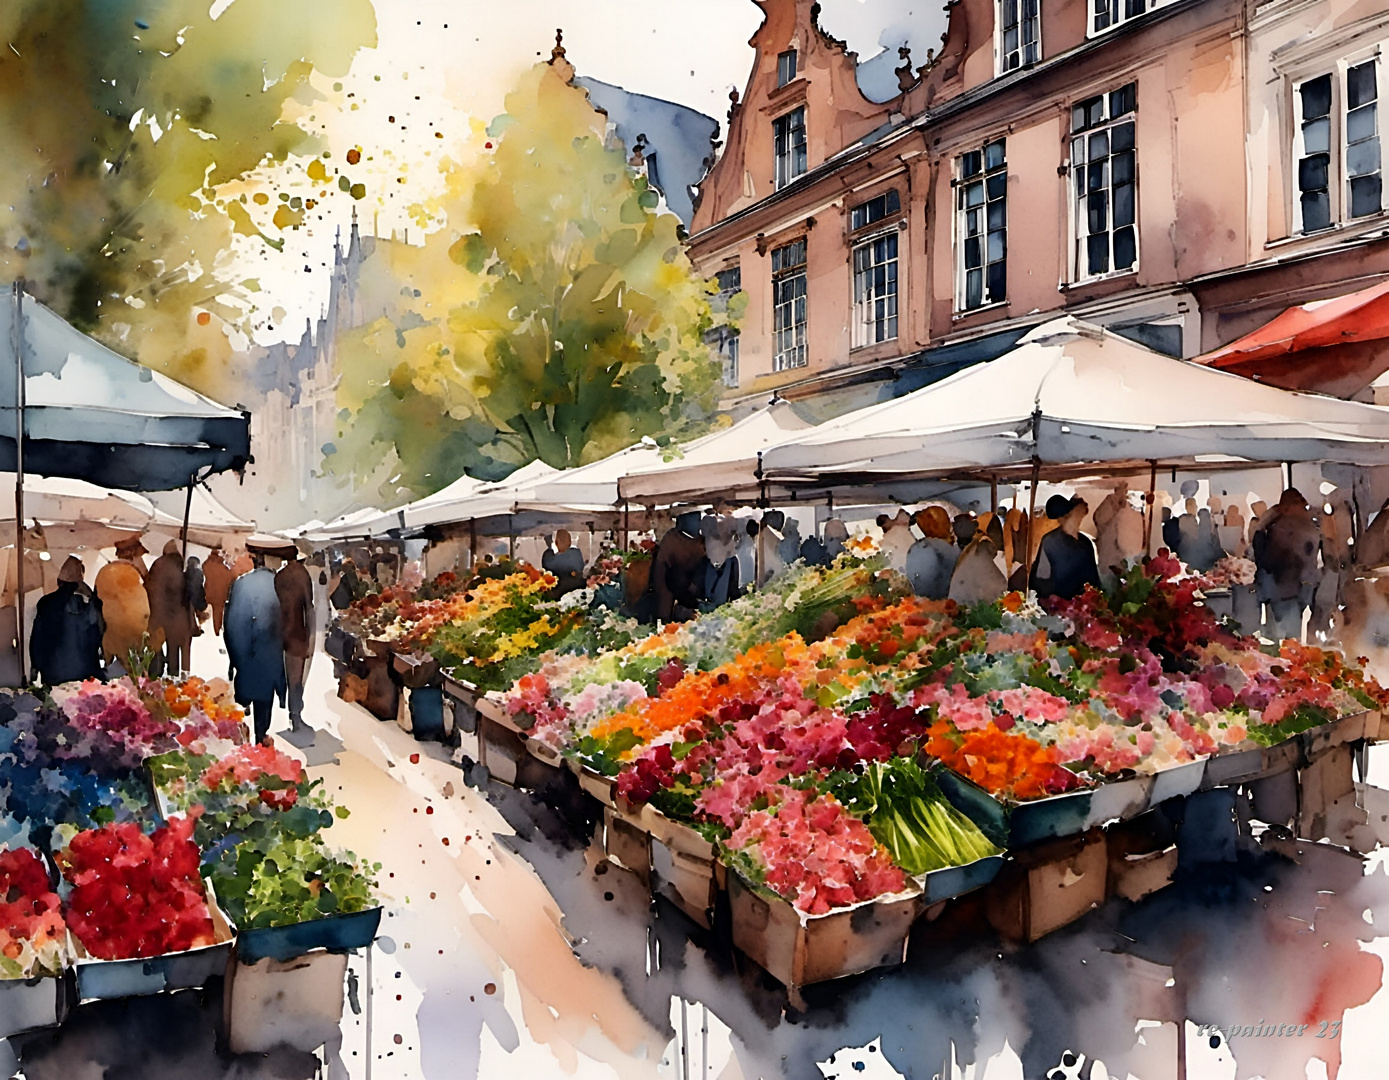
[
  {"x": 277, "y": 775},
  {"x": 135, "y": 895},
  {"x": 811, "y": 851},
  {"x": 32, "y": 934}
]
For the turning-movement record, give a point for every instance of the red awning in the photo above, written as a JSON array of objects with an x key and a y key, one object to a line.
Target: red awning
[{"x": 1335, "y": 346}]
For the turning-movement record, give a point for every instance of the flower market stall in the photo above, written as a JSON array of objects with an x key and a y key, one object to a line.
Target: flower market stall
[{"x": 145, "y": 846}]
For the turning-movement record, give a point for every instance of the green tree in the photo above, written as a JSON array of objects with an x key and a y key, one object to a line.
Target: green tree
[
  {"x": 566, "y": 319},
  {"x": 128, "y": 124}
]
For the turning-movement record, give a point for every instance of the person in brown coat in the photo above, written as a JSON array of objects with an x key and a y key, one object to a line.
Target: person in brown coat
[
  {"x": 120, "y": 586},
  {"x": 294, "y": 589},
  {"x": 167, "y": 586},
  {"x": 217, "y": 582}
]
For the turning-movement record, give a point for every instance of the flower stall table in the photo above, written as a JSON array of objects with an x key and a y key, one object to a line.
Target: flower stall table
[{"x": 507, "y": 750}]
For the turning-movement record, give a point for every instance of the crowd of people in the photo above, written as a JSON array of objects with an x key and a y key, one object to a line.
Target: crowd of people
[{"x": 135, "y": 617}]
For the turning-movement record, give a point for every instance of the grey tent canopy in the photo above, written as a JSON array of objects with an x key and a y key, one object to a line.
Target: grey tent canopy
[{"x": 91, "y": 414}]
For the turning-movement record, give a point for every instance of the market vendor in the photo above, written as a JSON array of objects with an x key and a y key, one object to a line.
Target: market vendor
[
  {"x": 1066, "y": 557},
  {"x": 255, "y": 646},
  {"x": 978, "y": 577},
  {"x": 120, "y": 586},
  {"x": 566, "y": 562},
  {"x": 65, "y": 644}
]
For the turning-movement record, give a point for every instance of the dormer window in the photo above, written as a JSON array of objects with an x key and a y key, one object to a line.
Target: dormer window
[{"x": 785, "y": 67}]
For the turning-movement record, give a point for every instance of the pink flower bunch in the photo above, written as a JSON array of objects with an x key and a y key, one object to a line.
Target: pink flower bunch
[
  {"x": 116, "y": 710},
  {"x": 812, "y": 852}
]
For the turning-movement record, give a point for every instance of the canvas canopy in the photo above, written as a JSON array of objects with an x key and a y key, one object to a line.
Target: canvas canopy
[
  {"x": 462, "y": 501},
  {"x": 1073, "y": 395},
  {"x": 91, "y": 414},
  {"x": 209, "y": 522},
  {"x": 724, "y": 463},
  {"x": 593, "y": 485},
  {"x": 1337, "y": 346},
  {"x": 61, "y": 500}
]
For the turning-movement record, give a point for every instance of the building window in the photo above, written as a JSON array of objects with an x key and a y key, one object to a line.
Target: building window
[
  {"x": 725, "y": 340},
  {"x": 728, "y": 350},
  {"x": 789, "y": 139},
  {"x": 875, "y": 291},
  {"x": 1108, "y": 14},
  {"x": 981, "y": 199},
  {"x": 788, "y": 307},
  {"x": 1339, "y": 175},
  {"x": 1105, "y": 178},
  {"x": 1019, "y": 33},
  {"x": 874, "y": 210},
  {"x": 785, "y": 67}
]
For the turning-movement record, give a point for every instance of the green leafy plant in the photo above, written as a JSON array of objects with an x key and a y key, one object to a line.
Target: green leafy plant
[
  {"x": 907, "y": 813},
  {"x": 281, "y": 880}
]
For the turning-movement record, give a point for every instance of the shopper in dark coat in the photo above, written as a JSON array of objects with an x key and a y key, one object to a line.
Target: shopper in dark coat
[
  {"x": 167, "y": 586},
  {"x": 676, "y": 571},
  {"x": 294, "y": 590},
  {"x": 255, "y": 646},
  {"x": 65, "y": 643},
  {"x": 1066, "y": 558},
  {"x": 1286, "y": 549}
]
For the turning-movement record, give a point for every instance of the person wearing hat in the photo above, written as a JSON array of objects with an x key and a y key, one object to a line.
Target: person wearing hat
[
  {"x": 294, "y": 590},
  {"x": 217, "y": 582},
  {"x": 65, "y": 643},
  {"x": 120, "y": 586},
  {"x": 167, "y": 586},
  {"x": 255, "y": 645},
  {"x": 675, "y": 571},
  {"x": 931, "y": 560},
  {"x": 1066, "y": 557}
]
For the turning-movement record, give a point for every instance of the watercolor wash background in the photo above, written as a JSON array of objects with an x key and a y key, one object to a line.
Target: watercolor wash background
[{"x": 389, "y": 79}]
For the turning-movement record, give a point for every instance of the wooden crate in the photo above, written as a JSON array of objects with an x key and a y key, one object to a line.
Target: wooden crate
[
  {"x": 798, "y": 949},
  {"x": 1048, "y": 885},
  {"x": 1142, "y": 856},
  {"x": 295, "y": 1003},
  {"x": 626, "y": 843}
]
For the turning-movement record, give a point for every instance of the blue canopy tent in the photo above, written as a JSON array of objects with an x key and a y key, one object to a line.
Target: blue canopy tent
[{"x": 88, "y": 413}]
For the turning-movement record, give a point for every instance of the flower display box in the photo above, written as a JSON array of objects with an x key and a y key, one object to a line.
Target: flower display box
[
  {"x": 464, "y": 696},
  {"x": 953, "y": 881},
  {"x": 626, "y": 843},
  {"x": 1018, "y": 824},
  {"x": 190, "y": 969},
  {"x": 508, "y": 751},
  {"x": 416, "y": 670},
  {"x": 597, "y": 784},
  {"x": 1177, "y": 781},
  {"x": 1330, "y": 777},
  {"x": 798, "y": 949},
  {"x": 295, "y": 1002},
  {"x": 684, "y": 866},
  {"x": 1244, "y": 766},
  {"x": 335, "y": 933},
  {"x": 31, "y": 1004},
  {"x": 1346, "y": 729},
  {"x": 1047, "y": 886}
]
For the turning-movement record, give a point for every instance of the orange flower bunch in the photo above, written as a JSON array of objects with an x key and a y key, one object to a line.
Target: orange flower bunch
[
  {"x": 212, "y": 697},
  {"x": 1000, "y": 762},
  {"x": 702, "y": 693}
]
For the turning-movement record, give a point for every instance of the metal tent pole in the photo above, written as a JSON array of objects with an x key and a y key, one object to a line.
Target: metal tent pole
[
  {"x": 187, "y": 516},
  {"x": 1152, "y": 507},
  {"x": 1031, "y": 522},
  {"x": 18, "y": 336}
]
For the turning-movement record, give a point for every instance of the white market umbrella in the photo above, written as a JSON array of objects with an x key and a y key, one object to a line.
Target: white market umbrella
[
  {"x": 1071, "y": 394},
  {"x": 723, "y": 463},
  {"x": 210, "y": 523}
]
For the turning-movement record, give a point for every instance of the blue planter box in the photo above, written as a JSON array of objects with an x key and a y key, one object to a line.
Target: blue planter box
[
  {"x": 336, "y": 933},
  {"x": 427, "y": 712}
]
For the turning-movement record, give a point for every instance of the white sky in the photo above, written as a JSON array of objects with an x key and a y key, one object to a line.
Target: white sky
[{"x": 461, "y": 56}]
